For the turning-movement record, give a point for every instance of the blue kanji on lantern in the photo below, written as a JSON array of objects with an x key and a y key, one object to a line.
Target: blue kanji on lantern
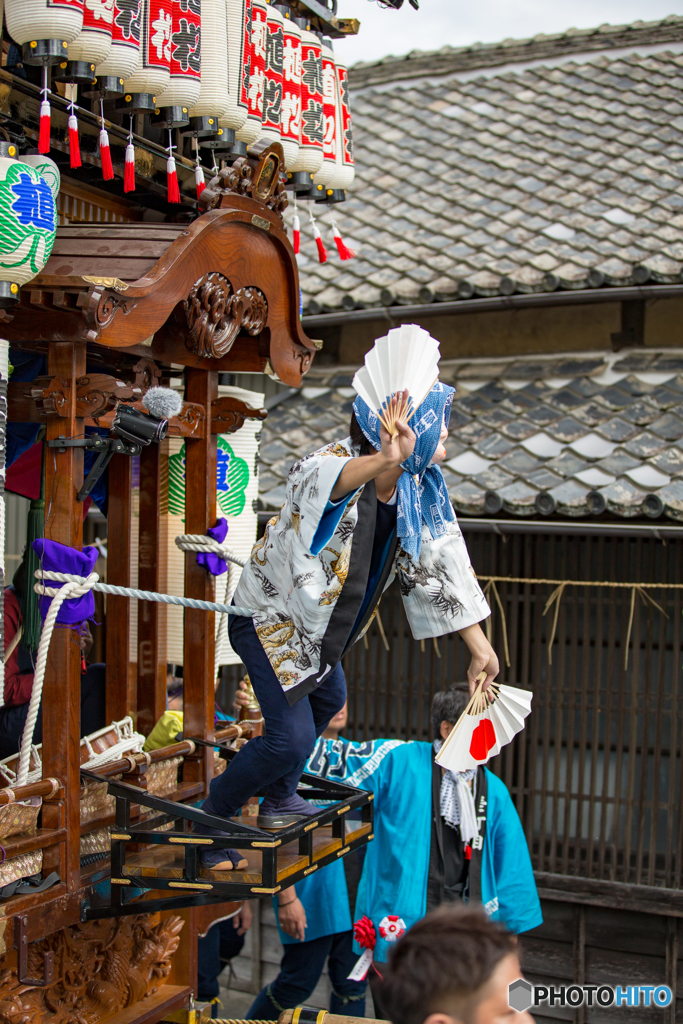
[
  {"x": 222, "y": 482},
  {"x": 34, "y": 204}
]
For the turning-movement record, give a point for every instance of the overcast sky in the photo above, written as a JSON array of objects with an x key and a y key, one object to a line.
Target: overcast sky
[{"x": 459, "y": 23}]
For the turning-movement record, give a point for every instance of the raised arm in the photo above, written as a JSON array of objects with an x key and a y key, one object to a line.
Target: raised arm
[{"x": 384, "y": 467}]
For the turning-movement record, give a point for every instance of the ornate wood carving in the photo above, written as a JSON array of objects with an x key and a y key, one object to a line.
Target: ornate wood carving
[
  {"x": 101, "y": 305},
  {"x": 256, "y": 175},
  {"x": 46, "y": 397},
  {"x": 97, "y": 393},
  {"x": 228, "y": 414},
  {"x": 216, "y": 314},
  {"x": 100, "y": 968}
]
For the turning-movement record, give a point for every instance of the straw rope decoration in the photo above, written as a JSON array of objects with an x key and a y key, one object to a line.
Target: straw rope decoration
[{"x": 555, "y": 598}]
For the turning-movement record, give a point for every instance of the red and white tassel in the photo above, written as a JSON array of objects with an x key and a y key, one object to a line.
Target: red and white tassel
[
  {"x": 296, "y": 229},
  {"x": 44, "y": 133},
  {"x": 344, "y": 252},
  {"x": 173, "y": 192},
  {"x": 74, "y": 146},
  {"x": 198, "y": 172},
  {"x": 105, "y": 152},
  {"x": 322, "y": 251},
  {"x": 129, "y": 164}
]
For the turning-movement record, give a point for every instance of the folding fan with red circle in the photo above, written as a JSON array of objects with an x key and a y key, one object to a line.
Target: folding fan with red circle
[{"x": 489, "y": 721}]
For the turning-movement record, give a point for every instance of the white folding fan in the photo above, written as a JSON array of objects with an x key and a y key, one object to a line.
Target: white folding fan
[
  {"x": 407, "y": 359},
  {"x": 489, "y": 721}
]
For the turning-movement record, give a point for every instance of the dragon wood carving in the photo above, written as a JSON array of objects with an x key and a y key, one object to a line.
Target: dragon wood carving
[
  {"x": 216, "y": 314},
  {"x": 101, "y": 967}
]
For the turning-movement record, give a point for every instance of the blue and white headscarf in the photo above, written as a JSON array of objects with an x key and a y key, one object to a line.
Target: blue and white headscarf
[{"x": 422, "y": 495}]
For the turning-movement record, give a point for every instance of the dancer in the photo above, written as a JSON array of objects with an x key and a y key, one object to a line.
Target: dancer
[{"x": 356, "y": 512}]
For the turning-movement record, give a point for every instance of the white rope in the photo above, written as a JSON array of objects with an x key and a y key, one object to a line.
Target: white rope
[
  {"x": 84, "y": 584},
  {"x": 199, "y": 542}
]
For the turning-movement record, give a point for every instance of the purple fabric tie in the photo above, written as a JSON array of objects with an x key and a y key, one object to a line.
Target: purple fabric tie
[
  {"x": 214, "y": 563},
  {"x": 55, "y": 557}
]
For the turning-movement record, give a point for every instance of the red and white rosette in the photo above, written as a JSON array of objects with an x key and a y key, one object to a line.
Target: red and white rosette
[
  {"x": 331, "y": 115},
  {"x": 185, "y": 81},
  {"x": 122, "y": 59},
  {"x": 310, "y": 155},
  {"x": 365, "y": 935},
  {"x": 392, "y": 927},
  {"x": 153, "y": 72},
  {"x": 291, "y": 91},
  {"x": 272, "y": 87}
]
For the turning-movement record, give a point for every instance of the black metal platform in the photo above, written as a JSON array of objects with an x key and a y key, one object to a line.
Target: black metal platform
[{"x": 171, "y": 860}]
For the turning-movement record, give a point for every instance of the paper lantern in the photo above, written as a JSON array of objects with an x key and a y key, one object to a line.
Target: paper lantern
[
  {"x": 152, "y": 73},
  {"x": 185, "y": 66},
  {"x": 238, "y": 109},
  {"x": 345, "y": 171},
  {"x": 43, "y": 28},
  {"x": 330, "y": 116},
  {"x": 122, "y": 59},
  {"x": 213, "y": 95},
  {"x": 91, "y": 47},
  {"x": 251, "y": 129},
  {"x": 291, "y": 90},
  {"x": 46, "y": 168},
  {"x": 237, "y": 491},
  {"x": 28, "y": 222},
  {"x": 310, "y": 155},
  {"x": 272, "y": 85}
]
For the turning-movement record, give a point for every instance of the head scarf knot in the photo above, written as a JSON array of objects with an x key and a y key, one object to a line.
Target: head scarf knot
[{"x": 422, "y": 496}]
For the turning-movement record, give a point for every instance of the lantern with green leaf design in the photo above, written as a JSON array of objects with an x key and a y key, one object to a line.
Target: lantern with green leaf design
[
  {"x": 28, "y": 223},
  {"x": 232, "y": 478}
]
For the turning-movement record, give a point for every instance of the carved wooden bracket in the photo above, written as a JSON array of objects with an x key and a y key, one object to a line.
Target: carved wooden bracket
[
  {"x": 216, "y": 314},
  {"x": 228, "y": 414},
  {"x": 51, "y": 396},
  {"x": 256, "y": 175},
  {"x": 96, "y": 394}
]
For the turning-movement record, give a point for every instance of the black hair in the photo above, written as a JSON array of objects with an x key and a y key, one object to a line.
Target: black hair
[
  {"x": 358, "y": 438},
  {"x": 442, "y": 964},
  {"x": 448, "y": 705}
]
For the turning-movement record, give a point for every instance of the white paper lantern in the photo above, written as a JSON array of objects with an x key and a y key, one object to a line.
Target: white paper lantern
[
  {"x": 44, "y": 28},
  {"x": 152, "y": 74},
  {"x": 272, "y": 87},
  {"x": 125, "y": 44},
  {"x": 310, "y": 156},
  {"x": 47, "y": 168},
  {"x": 93, "y": 44},
  {"x": 28, "y": 223},
  {"x": 185, "y": 61},
  {"x": 251, "y": 129},
  {"x": 344, "y": 173},
  {"x": 213, "y": 97},
  {"x": 238, "y": 108},
  {"x": 331, "y": 116},
  {"x": 291, "y": 91}
]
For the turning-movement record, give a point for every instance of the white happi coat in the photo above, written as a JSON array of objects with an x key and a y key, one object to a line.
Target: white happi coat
[{"x": 294, "y": 578}]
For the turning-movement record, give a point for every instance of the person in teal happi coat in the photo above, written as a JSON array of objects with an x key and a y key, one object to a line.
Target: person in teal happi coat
[{"x": 438, "y": 838}]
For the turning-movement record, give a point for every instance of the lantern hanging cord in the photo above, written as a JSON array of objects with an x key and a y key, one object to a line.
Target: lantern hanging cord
[
  {"x": 102, "y": 124},
  {"x": 45, "y": 90},
  {"x": 130, "y": 130}
]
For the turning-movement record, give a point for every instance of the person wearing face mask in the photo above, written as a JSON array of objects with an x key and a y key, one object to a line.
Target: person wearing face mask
[{"x": 356, "y": 513}]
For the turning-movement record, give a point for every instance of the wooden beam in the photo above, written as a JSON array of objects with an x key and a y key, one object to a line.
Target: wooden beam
[
  {"x": 152, "y": 575},
  {"x": 121, "y": 687},
  {"x": 62, "y": 687},
  {"x": 632, "y": 333},
  {"x": 199, "y": 645}
]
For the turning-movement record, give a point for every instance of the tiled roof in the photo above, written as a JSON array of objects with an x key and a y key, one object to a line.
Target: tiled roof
[
  {"x": 569, "y": 435},
  {"x": 565, "y": 175}
]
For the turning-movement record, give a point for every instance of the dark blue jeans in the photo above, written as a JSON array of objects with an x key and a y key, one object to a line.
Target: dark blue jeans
[
  {"x": 272, "y": 764},
  {"x": 300, "y": 971},
  {"x": 220, "y": 944}
]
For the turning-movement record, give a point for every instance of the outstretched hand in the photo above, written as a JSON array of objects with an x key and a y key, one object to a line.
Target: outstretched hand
[
  {"x": 484, "y": 658},
  {"x": 396, "y": 450}
]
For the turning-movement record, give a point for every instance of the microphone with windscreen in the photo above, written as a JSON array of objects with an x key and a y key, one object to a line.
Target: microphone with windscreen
[{"x": 140, "y": 428}]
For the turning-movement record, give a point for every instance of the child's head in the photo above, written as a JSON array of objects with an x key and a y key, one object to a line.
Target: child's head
[{"x": 453, "y": 967}]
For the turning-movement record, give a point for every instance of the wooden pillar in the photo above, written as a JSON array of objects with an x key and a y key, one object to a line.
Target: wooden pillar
[
  {"x": 199, "y": 644},
  {"x": 121, "y": 688},
  {"x": 62, "y": 686},
  {"x": 151, "y": 700}
]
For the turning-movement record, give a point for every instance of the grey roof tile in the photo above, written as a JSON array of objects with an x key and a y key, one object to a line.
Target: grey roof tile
[
  {"x": 624, "y": 497},
  {"x": 570, "y": 496},
  {"x": 618, "y": 430},
  {"x": 669, "y": 426},
  {"x": 644, "y": 445}
]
